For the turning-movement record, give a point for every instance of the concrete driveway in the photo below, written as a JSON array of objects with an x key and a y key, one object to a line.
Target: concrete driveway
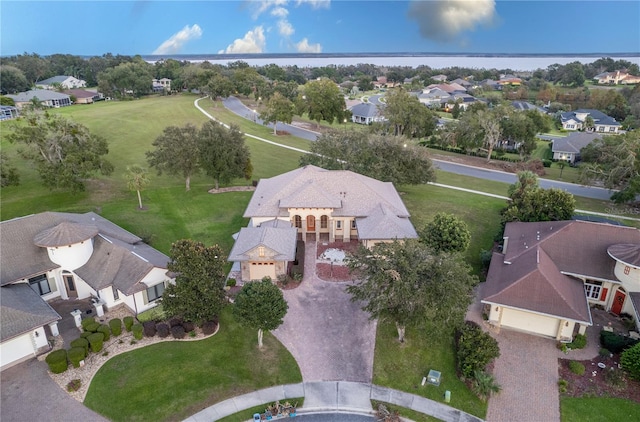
[
  {"x": 29, "y": 394},
  {"x": 330, "y": 337}
]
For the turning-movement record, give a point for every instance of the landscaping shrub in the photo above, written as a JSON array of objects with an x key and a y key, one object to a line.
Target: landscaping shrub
[
  {"x": 104, "y": 329},
  {"x": 614, "y": 377},
  {"x": 87, "y": 320},
  {"x": 128, "y": 323},
  {"x": 116, "y": 326},
  {"x": 74, "y": 385},
  {"x": 604, "y": 352},
  {"x": 231, "y": 282},
  {"x": 174, "y": 322},
  {"x": 85, "y": 334},
  {"x": 615, "y": 343},
  {"x": 149, "y": 328},
  {"x": 92, "y": 327},
  {"x": 57, "y": 361},
  {"x": 162, "y": 329},
  {"x": 177, "y": 331},
  {"x": 630, "y": 361},
  {"x": 154, "y": 314},
  {"x": 75, "y": 355},
  {"x": 484, "y": 385},
  {"x": 563, "y": 386},
  {"x": 96, "y": 341},
  {"x": 580, "y": 342},
  {"x": 81, "y": 342},
  {"x": 188, "y": 326},
  {"x": 209, "y": 327},
  {"x": 474, "y": 349},
  {"x": 137, "y": 331},
  {"x": 576, "y": 367}
]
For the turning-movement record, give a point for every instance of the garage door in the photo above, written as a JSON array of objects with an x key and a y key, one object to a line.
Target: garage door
[
  {"x": 259, "y": 270},
  {"x": 532, "y": 323}
]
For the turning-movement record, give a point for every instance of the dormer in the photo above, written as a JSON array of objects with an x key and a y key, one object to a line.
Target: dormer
[{"x": 69, "y": 245}]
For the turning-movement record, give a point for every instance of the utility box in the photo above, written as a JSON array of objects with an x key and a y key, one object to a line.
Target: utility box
[
  {"x": 434, "y": 377},
  {"x": 447, "y": 396}
]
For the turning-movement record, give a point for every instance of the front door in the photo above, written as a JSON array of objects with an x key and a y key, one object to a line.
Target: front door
[
  {"x": 70, "y": 284},
  {"x": 618, "y": 302},
  {"x": 311, "y": 223}
]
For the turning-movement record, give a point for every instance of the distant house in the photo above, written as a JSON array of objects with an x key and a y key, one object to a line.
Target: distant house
[
  {"x": 8, "y": 112},
  {"x": 525, "y": 105},
  {"x": 569, "y": 147},
  {"x": 490, "y": 84},
  {"x": 616, "y": 77},
  {"x": 161, "y": 85},
  {"x": 46, "y": 97},
  {"x": 462, "y": 82},
  {"x": 509, "y": 80},
  {"x": 54, "y": 255},
  {"x": 439, "y": 78},
  {"x": 366, "y": 113},
  {"x": 66, "y": 82},
  {"x": 82, "y": 96},
  {"x": 575, "y": 120},
  {"x": 433, "y": 97},
  {"x": 549, "y": 273}
]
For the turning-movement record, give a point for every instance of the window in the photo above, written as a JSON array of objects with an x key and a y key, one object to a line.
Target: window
[
  {"x": 612, "y": 129},
  {"x": 116, "y": 296},
  {"x": 353, "y": 224},
  {"x": 593, "y": 289},
  {"x": 338, "y": 224},
  {"x": 260, "y": 250},
  {"x": 324, "y": 221},
  {"x": 155, "y": 292},
  {"x": 297, "y": 221},
  {"x": 600, "y": 128},
  {"x": 40, "y": 284}
]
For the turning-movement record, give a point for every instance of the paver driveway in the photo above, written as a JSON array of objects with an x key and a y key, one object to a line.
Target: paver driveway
[{"x": 330, "y": 337}]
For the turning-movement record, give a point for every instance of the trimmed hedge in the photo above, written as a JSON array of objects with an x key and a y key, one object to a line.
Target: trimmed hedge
[
  {"x": 209, "y": 327},
  {"x": 149, "y": 328},
  {"x": 85, "y": 334},
  {"x": 92, "y": 327},
  {"x": 75, "y": 355},
  {"x": 177, "y": 331},
  {"x": 162, "y": 330},
  {"x": 96, "y": 341},
  {"x": 104, "y": 329},
  {"x": 81, "y": 342},
  {"x": 297, "y": 269},
  {"x": 87, "y": 320},
  {"x": 116, "y": 326},
  {"x": 57, "y": 361},
  {"x": 174, "y": 322},
  {"x": 137, "y": 331},
  {"x": 579, "y": 342},
  {"x": 128, "y": 323},
  {"x": 630, "y": 361},
  {"x": 615, "y": 343},
  {"x": 474, "y": 349},
  {"x": 188, "y": 326}
]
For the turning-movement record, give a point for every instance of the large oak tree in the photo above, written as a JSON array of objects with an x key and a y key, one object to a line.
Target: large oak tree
[
  {"x": 223, "y": 153},
  {"x": 176, "y": 152}
]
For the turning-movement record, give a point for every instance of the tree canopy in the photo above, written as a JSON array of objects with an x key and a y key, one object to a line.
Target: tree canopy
[
  {"x": 8, "y": 174},
  {"x": 383, "y": 157},
  {"x": 137, "y": 180},
  {"x": 446, "y": 233},
  {"x": 322, "y": 100},
  {"x": 198, "y": 293},
  {"x": 407, "y": 116},
  {"x": 279, "y": 109},
  {"x": 65, "y": 153},
  {"x": 260, "y": 305},
  {"x": 223, "y": 153},
  {"x": 176, "y": 152},
  {"x": 12, "y": 80},
  {"x": 130, "y": 78},
  {"x": 407, "y": 283}
]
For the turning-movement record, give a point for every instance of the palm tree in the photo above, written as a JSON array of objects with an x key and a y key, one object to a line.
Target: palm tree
[
  {"x": 137, "y": 180},
  {"x": 484, "y": 385}
]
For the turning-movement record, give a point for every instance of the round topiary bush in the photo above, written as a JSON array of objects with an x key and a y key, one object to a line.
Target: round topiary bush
[
  {"x": 92, "y": 327},
  {"x": 96, "y": 341},
  {"x": 178, "y": 331},
  {"x": 149, "y": 328},
  {"x": 209, "y": 327},
  {"x": 128, "y": 323},
  {"x": 85, "y": 334},
  {"x": 162, "y": 330},
  {"x": 137, "y": 331},
  {"x": 75, "y": 355},
  {"x": 188, "y": 326},
  {"x": 576, "y": 367},
  {"x": 57, "y": 361},
  {"x": 87, "y": 320},
  {"x": 175, "y": 322},
  {"x": 81, "y": 342},
  {"x": 116, "y": 326},
  {"x": 104, "y": 329}
]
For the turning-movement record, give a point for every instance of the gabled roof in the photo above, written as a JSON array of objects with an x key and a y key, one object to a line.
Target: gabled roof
[
  {"x": 365, "y": 110},
  {"x": 382, "y": 223},
  {"x": 22, "y": 310},
  {"x": 349, "y": 193},
  {"x": 41, "y": 94},
  {"x": 80, "y": 93},
  {"x": 56, "y": 79},
  {"x": 599, "y": 118},
  {"x": 574, "y": 142},
  {"x": 525, "y": 105},
  {"x": 278, "y": 236}
]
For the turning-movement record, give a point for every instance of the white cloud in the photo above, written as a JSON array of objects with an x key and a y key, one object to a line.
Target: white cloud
[
  {"x": 315, "y": 4},
  {"x": 444, "y": 20},
  {"x": 261, "y": 6},
  {"x": 304, "y": 47},
  {"x": 252, "y": 42},
  {"x": 175, "y": 43},
  {"x": 280, "y": 12},
  {"x": 285, "y": 28}
]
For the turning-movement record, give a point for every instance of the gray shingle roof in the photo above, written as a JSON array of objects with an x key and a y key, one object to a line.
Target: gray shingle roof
[
  {"x": 525, "y": 105},
  {"x": 366, "y": 110},
  {"x": 574, "y": 142},
  {"x": 56, "y": 79},
  {"x": 22, "y": 310},
  {"x": 598, "y": 117},
  {"x": 64, "y": 234},
  {"x": 382, "y": 223},
  {"x": 41, "y": 94},
  {"x": 278, "y": 238}
]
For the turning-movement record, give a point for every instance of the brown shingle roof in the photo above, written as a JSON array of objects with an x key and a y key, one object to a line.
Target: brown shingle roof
[
  {"x": 64, "y": 234},
  {"x": 628, "y": 253}
]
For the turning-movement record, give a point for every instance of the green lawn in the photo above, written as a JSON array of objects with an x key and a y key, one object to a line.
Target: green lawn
[
  {"x": 402, "y": 366},
  {"x": 598, "y": 409},
  {"x": 173, "y": 380}
]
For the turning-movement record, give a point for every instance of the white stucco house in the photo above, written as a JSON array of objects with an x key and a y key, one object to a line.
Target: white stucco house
[
  {"x": 66, "y": 82},
  {"x": 311, "y": 203},
  {"x": 60, "y": 256},
  {"x": 549, "y": 273},
  {"x": 569, "y": 148},
  {"x": 576, "y": 120},
  {"x": 44, "y": 96},
  {"x": 366, "y": 113}
]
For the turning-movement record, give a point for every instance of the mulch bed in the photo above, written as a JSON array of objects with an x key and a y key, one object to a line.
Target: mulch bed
[
  {"x": 587, "y": 385},
  {"x": 339, "y": 272},
  {"x": 345, "y": 246}
]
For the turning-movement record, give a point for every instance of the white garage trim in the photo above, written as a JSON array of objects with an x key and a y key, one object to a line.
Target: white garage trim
[
  {"x": 259, "y": 270},
  {"x": 530, "y": 322}
]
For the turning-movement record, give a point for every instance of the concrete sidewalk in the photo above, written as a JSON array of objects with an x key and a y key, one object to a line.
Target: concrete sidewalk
[{"x": 330, "y": 397}]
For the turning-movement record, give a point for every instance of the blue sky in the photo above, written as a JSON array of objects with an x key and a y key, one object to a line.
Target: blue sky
[{"x": 318, "y": 26}]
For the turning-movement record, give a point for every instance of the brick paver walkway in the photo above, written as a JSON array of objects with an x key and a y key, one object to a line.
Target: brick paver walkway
[{"x": 330, "y": 337}]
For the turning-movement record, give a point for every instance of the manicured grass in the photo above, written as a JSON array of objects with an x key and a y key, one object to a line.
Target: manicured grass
[
  {"x": 173, "y": 380},
  {"x": 402, "y": 366},
  {"x": 247, "y": 414},
  {"x": 598, "y": 409}
]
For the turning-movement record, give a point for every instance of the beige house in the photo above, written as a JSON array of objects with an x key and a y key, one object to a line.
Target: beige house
[
  {"x": 549, "y": 273},
  {"x": 311, "y": 203},
  {"x": 617, "y": 77}
]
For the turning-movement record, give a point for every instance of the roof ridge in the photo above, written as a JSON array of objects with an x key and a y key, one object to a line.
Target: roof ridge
[{"x": 553, "y": 285}]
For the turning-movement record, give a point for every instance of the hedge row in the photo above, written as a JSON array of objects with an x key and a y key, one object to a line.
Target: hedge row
[{"x": 297, "y": 269}]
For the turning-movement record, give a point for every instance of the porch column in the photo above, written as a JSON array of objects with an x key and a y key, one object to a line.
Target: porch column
[
  {"x": 54, "y": 329},
  {"x": 582, "y": 329}
]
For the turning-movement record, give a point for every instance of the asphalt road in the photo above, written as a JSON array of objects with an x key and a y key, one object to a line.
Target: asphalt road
[
  {"x": 335, "y": 417},
  {"x": 236, "y": 106}
]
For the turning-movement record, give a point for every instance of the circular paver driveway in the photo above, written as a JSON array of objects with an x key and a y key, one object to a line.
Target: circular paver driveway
[{"x": 330, "y": 337}]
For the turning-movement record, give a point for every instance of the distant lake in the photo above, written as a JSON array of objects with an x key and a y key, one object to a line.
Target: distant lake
[{"x": 514, "y": 62}]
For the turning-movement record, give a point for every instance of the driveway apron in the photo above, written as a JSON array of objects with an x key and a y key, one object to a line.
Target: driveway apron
[{"x": 330, "y": 337}]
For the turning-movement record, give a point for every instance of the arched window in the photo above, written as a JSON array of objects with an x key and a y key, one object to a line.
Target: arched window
[
  {"x": 297, "y": 221},
  {"x": 324, "y": 221}
]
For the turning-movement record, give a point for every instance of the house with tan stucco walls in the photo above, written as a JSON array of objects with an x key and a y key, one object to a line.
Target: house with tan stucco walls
[
  {"x": 550, "y": 273},
  {"x": 314, "y": 204}
]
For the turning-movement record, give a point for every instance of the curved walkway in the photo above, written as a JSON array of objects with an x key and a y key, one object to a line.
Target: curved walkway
[{"x": 333, "y": 396}]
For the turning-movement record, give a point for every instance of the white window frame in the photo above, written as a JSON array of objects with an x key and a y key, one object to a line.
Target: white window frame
[
  {"x": 154, "y": 290},
  {"x": 38, "y": 281},
  {"x": 593, "y": 289}
]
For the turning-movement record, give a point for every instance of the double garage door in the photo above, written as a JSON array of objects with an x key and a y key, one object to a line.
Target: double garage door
[
  {"x": 260, "y": 270},
  {"x": 529, "y": 322}
]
